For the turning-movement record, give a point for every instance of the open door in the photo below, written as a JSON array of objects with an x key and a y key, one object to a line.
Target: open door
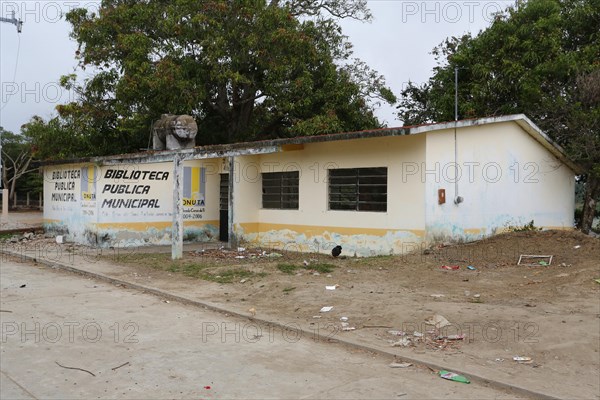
[{"x": 224, "y": 208}]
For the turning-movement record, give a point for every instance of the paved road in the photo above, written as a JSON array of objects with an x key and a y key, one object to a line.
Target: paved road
[{"x": 172, "y": 350}]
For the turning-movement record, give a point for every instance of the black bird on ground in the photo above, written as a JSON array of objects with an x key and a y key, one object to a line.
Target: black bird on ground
[{"x": 337, "y": 250}]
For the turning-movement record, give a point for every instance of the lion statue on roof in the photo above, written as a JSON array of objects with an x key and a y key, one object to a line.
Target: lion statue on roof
[{"x": 174, "y": 132}]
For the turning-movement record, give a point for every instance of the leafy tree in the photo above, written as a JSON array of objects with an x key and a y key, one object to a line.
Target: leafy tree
[
  {"x": 16, "y": 160},
  {"x": 541, "y": 59},
  {"x": 251, "y": 69}
]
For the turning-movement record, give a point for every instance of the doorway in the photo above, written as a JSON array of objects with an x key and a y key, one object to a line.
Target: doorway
[{"x": 224, "y": 208}]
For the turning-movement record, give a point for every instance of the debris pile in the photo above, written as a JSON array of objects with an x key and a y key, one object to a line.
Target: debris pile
[{"x": 435, "y": 338}]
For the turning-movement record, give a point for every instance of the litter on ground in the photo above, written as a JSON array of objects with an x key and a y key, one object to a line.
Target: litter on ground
[{"x": 453, "y": 376}]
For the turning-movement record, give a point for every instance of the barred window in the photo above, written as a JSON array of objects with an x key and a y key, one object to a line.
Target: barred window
[
  {"x": 280, "y": 190},
  {"x": 358, "y": 189}
]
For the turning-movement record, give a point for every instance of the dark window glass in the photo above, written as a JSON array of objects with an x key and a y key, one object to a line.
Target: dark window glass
[
  {"x": 280, "y": 190},
  {"x": 358, "y": 189}
]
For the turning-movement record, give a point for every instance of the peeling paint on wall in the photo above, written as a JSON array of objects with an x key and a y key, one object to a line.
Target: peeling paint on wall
[{"x": 360, "y": 245}]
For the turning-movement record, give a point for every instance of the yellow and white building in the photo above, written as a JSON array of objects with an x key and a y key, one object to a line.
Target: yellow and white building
[{"x": 386, "y": 191}]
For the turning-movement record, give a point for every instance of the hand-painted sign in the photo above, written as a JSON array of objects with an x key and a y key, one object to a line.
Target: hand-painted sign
[{"x": 194, "y": 192}]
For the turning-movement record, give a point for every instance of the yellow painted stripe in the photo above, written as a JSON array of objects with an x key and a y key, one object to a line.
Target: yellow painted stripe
[
  {"x": 310, "y": 230},
  {"x": 195, "y": 182},
  {"x": 51, "y": 221}
]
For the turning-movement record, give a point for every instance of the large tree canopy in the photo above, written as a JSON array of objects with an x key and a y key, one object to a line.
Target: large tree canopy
[
  {"x": 541, "y": 59},
  {"x": 244, "y": 69}
]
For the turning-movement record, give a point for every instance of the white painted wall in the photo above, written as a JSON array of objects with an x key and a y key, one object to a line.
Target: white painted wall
[
  {"x": 506, "y": 178},
  {"x": 129, "y": 205}
]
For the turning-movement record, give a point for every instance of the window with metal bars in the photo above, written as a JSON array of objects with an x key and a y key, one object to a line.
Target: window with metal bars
[
  {"x": 358, "y": 189},
  {"x": 280, "y": 190}
]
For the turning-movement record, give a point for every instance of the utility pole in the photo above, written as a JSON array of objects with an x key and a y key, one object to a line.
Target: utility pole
[
  {"x": 16, "y": 22},
  {"x": 455, "y": 93},
  {"x": 19, "y": 24}
]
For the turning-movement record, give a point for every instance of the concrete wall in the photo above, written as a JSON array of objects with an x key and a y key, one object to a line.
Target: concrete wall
[
  {"x": 505, "y": 177},
  {"x": 130, "y": 205},
  {"x": 313, "y": 227},
  {"x": 69, "y": 207}
]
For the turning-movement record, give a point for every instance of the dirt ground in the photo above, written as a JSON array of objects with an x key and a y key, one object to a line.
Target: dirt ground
[
  {"x": 499, "y": 310},
  {"x": 550, "y": 314}
]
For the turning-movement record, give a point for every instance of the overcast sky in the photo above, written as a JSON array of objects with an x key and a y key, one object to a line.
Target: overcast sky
[{"x": 397, "y": 44}]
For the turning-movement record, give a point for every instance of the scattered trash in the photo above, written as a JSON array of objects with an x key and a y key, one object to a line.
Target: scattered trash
[
  {"x": 306, "y": 263},
  {"x": 166, "y": 301},
  {"x": 450, "y": 267},
  {"x": 344, "y": 319},
  {"x": 477, "y": 295},
  {"x": 453, "y": 376},
  {"x": 28, "y": 235},
  {"x": 397, "y": 333},
  {"x": 332, "y": 287},
  {"x": 578, "y": 246},
  {"x": 317, "y": 316},
  {"x": 243, "y": 280},
  {"x": 499, "y": 360},
  {"x": 597, "y": 280},
  {"x": 240, "y": 257},
  {"x": 241, "y": 249},
  {"x": 329, "y": 276},
  {"x": 326, "y": 309},
  {"x": 274, "y": 255},
  {"x": 316, "y": 274},
  {"x": 417, "y": 334},
  {"x": 400, "y": 365},
  {"x": 470, "y": 267},
  {"x": 522, "y": 257},
  {"x": 60, "y": 239},
  {"x": 252, "y": 311},
  {"x": 207, "y": 387},
  {"x": 23, "y": 285},
  {"x": 402, "y": 342},
  {"x": 439, "y": 321},
  {"x": 522, "y": 360},
  {"x": 456, "y": 337},
  {"x": 348, "y": 328},
  {"x": 437, "y": 296}
]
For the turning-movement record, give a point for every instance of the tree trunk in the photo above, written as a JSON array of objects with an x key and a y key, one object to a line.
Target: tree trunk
[{"x": 592, "y": 193}]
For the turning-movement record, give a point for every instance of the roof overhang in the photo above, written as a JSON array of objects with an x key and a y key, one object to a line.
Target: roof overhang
[{"x": 277, "y": 145}]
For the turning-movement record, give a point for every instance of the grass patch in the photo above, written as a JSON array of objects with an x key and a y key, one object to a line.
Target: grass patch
[
  {"x": 289, "y": 289},
  {"x": 322, "y": 268},
  {"x": 204, "y": 271},
  {"x": 287, "y": 268}
]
